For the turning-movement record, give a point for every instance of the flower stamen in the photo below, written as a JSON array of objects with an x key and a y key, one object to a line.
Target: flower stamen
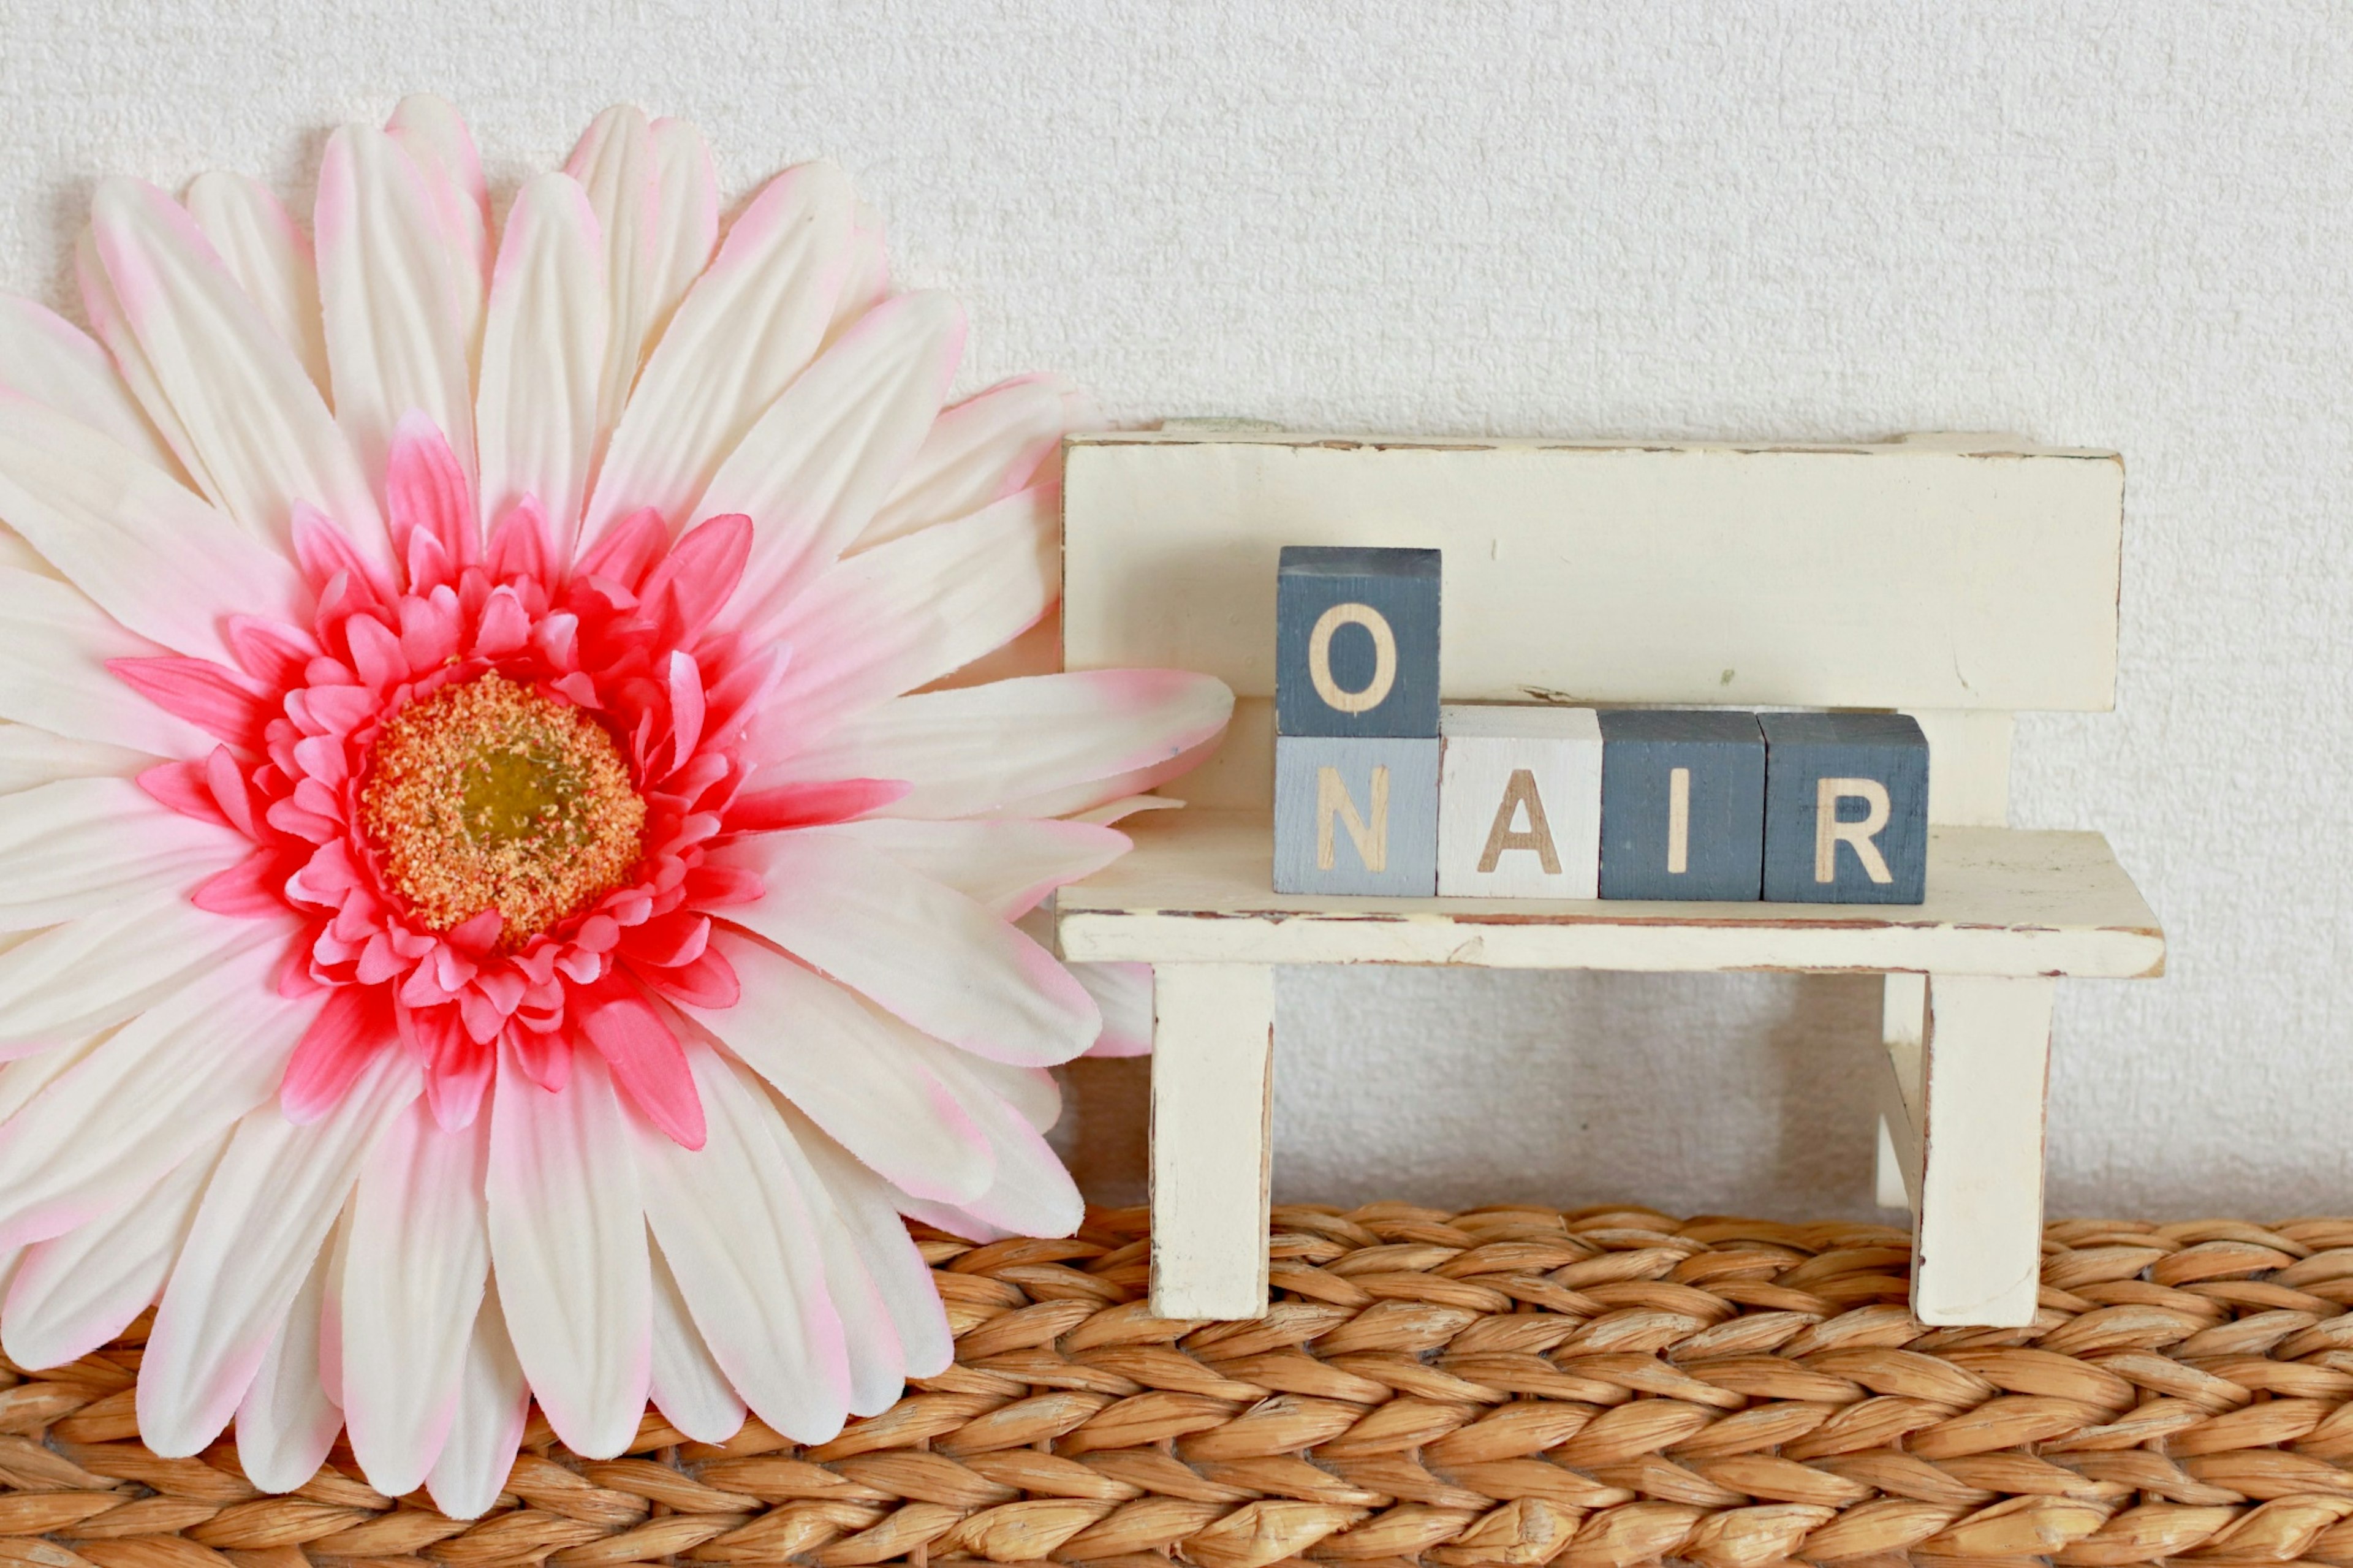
[{"x": 490, "y": 796}]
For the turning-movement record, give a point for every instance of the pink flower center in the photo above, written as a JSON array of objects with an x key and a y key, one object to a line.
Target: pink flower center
[{"x": 490, "y": 795}]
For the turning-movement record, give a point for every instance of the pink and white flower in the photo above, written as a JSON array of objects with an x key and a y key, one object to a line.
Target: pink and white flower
[{"x": 508, "y": 861}]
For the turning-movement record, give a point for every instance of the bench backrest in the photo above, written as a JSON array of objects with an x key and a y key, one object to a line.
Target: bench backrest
[{"x": 1949, "y": 576}]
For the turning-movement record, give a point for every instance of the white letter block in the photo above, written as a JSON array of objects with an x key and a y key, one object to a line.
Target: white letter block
[{"x": 1519, "y": 802}]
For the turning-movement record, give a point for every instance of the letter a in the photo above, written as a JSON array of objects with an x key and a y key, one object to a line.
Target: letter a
[{"x": 1520, "y": 795}]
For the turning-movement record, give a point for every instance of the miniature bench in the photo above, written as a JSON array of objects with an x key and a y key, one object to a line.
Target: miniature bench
[{"x": 1960, "y": 579}]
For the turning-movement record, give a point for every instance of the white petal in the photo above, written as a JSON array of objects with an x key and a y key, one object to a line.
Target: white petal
[
  {"x": 131, "y": 1109},
  {"x": 1124, "y": 992},
  {"x": 689, "y": 1389},
  {"x": 395, "y": 336},
  {"x": 869, "y": 1215},
  {"x": 877, "y": 1360},
  {"x": 411, "y": 1287},
  {"x": 268, "y": 253},
  {"x": 866, "y": 283},
  {"x": 78, "y": 846},
  {"x": 257, "y": 1237},
  {"x": 259, "y": 437},
  {"x": 433, "y": 133},
  {"x": 977, "y": 453},
  {"x": 286, "y": 1424},
  {"x": 732, "y": 1224},
  {"x": 687, "y": 225},
  {"x": 740, "y": 336},
  {"x": 145, "y": 548},
  {"x": 77, "y": 1292},
  {"x": 1010, "y": 747},
  {"x": 131, "y": 362},
  {"x": 1032, "y": 1194},
  {"x": 568, "y": 1243},
  {"x": 826, "y": 452},
  {"x": 26, "y": 1076},
  {"x": 1007, "y": 865},
  {"x": 928, "y": 954},
  {"x": 54, "y": 647},
  {"x": 73, "y": 980},
  {"x": 906, "y": 613},
  {"x": 493, "y": 1403},
  {"x": 48, "y": 359},
  {"x": 30, "y": 757},
  {"x": 615, "y": 163},
  {"x": 542, "y": 345},
  {"x": 845, "y": 1062}
]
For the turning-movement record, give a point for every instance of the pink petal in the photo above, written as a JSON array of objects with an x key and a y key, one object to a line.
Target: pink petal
[
  {"x": 183, "y": 788},
  {"x": 425, "y": 488},
  {"x": 215, "y": 700},
  {"x": 272, "y": 653},
  {"x": 700, "y": 571},
  {"x": 545, "y": 1058},
  {"x": 685, "y": 707},
  {"x": 628, "y": 551},
  {"x": 811, "y": 804},
  {"x": 648, "y": 1063},
  {"x": 708, "y": 981},
  {"x": 520, "y": 546},
  {"x": 355, "y": 1024},
  {"x": 252, "y": 887}
]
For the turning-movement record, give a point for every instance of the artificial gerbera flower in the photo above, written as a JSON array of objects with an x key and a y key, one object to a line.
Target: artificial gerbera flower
[{"x": 508, "y": 864}]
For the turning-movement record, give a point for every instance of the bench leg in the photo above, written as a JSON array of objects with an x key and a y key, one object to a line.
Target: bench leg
[
  {"x": 1965, "y": 1133},
  {"x": 1212, "y": 1037}
]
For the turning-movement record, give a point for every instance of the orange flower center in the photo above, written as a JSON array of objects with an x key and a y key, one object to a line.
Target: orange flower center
[{"x": 488, "y": 795}]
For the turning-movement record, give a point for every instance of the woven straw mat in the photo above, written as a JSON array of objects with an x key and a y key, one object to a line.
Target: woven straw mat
[{"x": 1599, "y": 1388}]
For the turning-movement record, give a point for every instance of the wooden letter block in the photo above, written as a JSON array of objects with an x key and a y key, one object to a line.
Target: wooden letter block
[
  {"x": 1519, "y": 802},
  {"x": 1355, "y": 815},
  {"x": 1355, "y": 642},
  {"x": 1846, "y": 809},
  {"x": 1683, "y": 805}
]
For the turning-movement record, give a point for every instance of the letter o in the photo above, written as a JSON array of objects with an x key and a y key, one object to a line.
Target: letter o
[{"x": 1319, "y": 658}]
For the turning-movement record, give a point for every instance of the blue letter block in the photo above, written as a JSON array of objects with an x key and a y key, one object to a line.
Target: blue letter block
[
  {"x": 1355, "y": 815},
  {"x": 1846, "y": 809},
  {"x": 1355, "y": 642},
  {"x": 1683, "y": 805}
]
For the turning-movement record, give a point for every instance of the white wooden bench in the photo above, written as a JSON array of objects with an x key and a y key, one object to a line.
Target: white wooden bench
[{"x": 1960, "y": 579}]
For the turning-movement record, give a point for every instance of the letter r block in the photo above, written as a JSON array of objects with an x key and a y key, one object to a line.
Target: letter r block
[
  {"x": 1846, "y": 808},
  {"x": 1682, "y": 804},
  {"x": 1519, "y": 802},
  {"x": 1355, "y": 815},
  {"x": 1355, "y": 642}
]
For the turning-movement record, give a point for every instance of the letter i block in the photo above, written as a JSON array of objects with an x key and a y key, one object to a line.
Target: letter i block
[
  {"x": 1846, "y": 808},
  {"x": 1519, "y": 802},
  {"x": 1683, "y": 805},
  {"x": 1355, "y": 642},
  {"x": 1355, "y": 815}
]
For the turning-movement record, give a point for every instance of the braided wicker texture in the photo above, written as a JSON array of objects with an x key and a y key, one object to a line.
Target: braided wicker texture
[{"x": 1600, "y": 1389}]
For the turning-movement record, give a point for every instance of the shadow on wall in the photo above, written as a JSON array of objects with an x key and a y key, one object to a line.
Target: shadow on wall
[{"x": 1747, "y": 1094}]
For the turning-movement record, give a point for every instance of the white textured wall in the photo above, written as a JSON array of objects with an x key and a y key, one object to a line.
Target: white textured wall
[{"x": 2111, "y": 225}]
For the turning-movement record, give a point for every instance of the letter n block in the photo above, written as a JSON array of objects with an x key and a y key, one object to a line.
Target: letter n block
[
  {"x": 1355, "y": 642},
  {"x": 1354, "y": 815},
  {"x": 1846, "y": 808},
  {"x": 1519, "y": 802},
  {"x": 1683, "y": 805}
]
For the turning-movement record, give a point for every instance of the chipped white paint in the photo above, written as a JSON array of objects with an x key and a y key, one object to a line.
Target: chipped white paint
[{"x": 1212, "y": 1034}]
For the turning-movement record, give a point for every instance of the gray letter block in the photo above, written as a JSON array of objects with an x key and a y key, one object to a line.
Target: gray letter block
[
  {"x": 1355, "y": 642},
  {"x": 1846, "y": 809},
  {"x": 1355, "y": 815},
  {"x": 1682, "y": 804}
]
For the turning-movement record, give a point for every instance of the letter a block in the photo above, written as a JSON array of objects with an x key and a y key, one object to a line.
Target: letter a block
[
  {"x": 1519, "y": 802},
  {"x": 1355, "y": 642},
  {"x": 1846, "y": 809},
  {"x": 1683, "y": 805},
  {"x": 1355, "y": 815}
]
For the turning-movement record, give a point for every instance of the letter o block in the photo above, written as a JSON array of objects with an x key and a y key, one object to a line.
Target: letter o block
[
  {"x": 1846, "y": 808},
  {"x": 1356, "y": 642}
]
